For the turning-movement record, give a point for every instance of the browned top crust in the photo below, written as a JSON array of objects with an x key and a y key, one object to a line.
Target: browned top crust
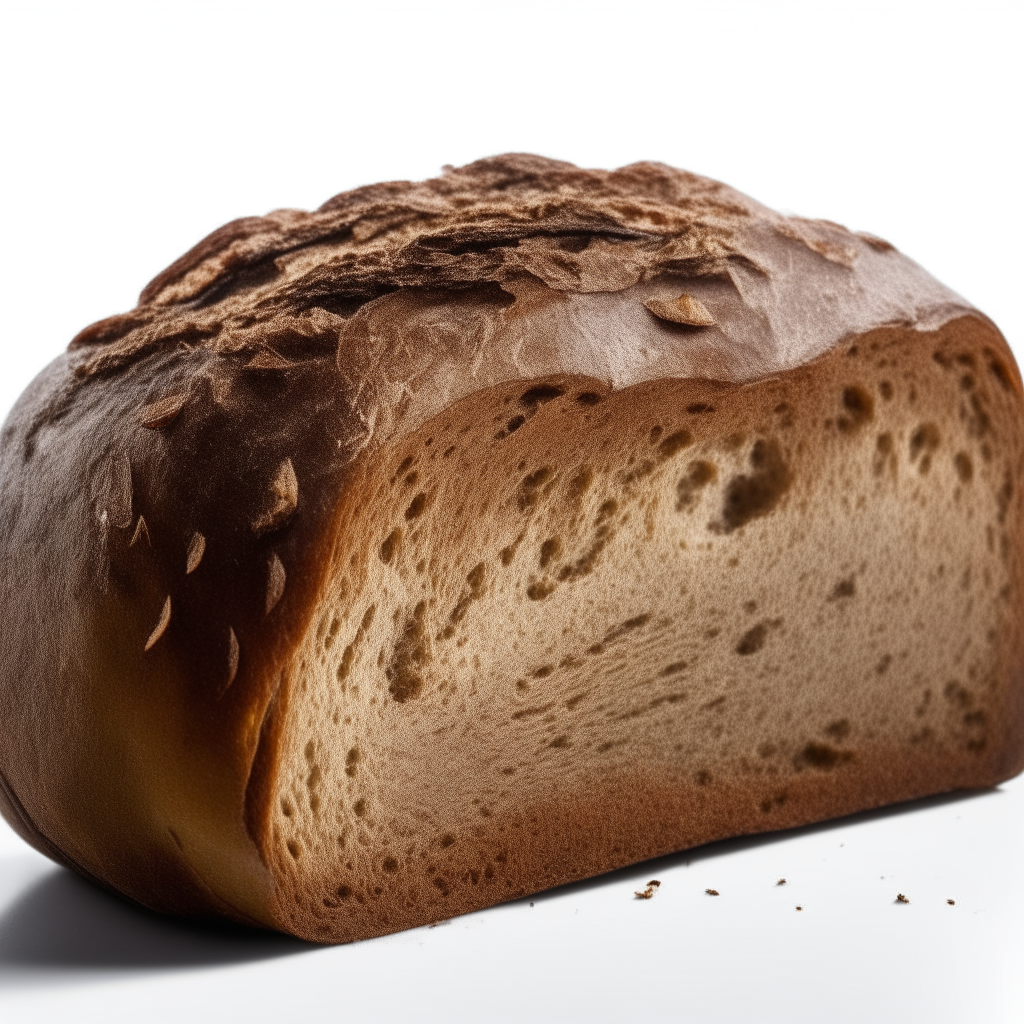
[{"x": 291, "y": 279}]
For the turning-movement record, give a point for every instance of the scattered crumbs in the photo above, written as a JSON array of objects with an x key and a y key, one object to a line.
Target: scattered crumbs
[
  {"x": 649, "y": 891},
  {"x": 781, "y": 881},
  {"x": 900, "y": 898},
  {"x": 952, "y": 903},
  {"x": 712, "y": 892},
  {"x": 531, "y": 903}
]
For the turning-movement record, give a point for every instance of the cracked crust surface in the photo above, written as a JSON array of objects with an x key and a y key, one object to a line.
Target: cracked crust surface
[{"x": 470, "y": 536}]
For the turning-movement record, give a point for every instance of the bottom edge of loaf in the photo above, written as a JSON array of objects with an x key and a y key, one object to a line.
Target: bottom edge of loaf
[{"x": 630, "y": 819}]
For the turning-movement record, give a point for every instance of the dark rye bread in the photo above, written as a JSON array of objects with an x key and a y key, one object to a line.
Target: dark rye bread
[{"x": 464, "y": 538}]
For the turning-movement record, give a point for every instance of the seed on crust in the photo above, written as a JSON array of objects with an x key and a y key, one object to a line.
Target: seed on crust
[
  {"x": 161, "y": 413},
  {"x": 276, "y": 578},
  {"x": 161, "y": 626},
  {"x": 684, "y": 310},
  {"x": 141, "y": 530},
  {"x": 284, "y": 497},
  {"x": 233, "y": 653},
  {"x": 196, "y": 547},
  {"x": 113, "y": 491},
  {"x": 267, "y": 359}
]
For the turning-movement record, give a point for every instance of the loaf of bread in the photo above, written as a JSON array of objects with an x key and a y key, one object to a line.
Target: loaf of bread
[{"x": 464, "y": 538}]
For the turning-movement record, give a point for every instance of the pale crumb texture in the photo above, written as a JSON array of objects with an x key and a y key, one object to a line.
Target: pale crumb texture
[
  {"x": 470, "y": 537},
  {"x": 640, "y": 621}
]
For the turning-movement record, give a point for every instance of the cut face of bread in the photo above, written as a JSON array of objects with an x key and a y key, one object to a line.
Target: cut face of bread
[{"x": 566, "y": 629}]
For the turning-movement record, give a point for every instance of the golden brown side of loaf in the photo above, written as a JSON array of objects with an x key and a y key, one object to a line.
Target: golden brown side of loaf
[{"x": 467, "y": 537}]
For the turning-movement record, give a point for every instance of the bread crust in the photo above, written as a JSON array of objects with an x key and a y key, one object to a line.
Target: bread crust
[{"x": 174, "y": 490}]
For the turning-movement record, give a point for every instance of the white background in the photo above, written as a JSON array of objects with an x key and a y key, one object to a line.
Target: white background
[{"x": 131, "y": 130}]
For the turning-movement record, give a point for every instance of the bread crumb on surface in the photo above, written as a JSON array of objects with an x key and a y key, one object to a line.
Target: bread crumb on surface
[
  {"x": 799, "y": 908},
  {"x": 712, "y": 892},
  {"x": 647, "y": 893},
  {"x": 952, "y": 903},
  {"x": 900, "y": 898},
  {"x": 781, "y": 881}
]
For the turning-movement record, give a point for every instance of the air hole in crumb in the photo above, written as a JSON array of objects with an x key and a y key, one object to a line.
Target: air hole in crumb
[
  {"x": 859, "y": 408},
  {"x": 390, "y": 546},
  {"x": 352, "y": 759},
  {"x": 416, "y": 506},
  {"x": 550, "y": 550},
  {"x": 637, "y": 622},
  {"x": 964, "y": 467},
  {"x": 753, "y": 640},
  {"x": 884, "y": 454},
  {"x": 359, "y": 807},
  {"x": 390, "y": 865},
  {"x": 675, "y": 443},
  {"x": 539, "y": 395},
  {"x": 588, "y": 398},
  {"x": 822, "y": 756},
  {"x": 294, "y": 849},
  {"x": 923, "y": 442},
  {"x": 998, "y": 370},
  {"x": 580, "y": 483},
  {"x": 529, "y": 489},
  {"x": 748, "y": 497},
  {"x": 699, "y": 474},
  {"x": 411, "y": 656}
]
